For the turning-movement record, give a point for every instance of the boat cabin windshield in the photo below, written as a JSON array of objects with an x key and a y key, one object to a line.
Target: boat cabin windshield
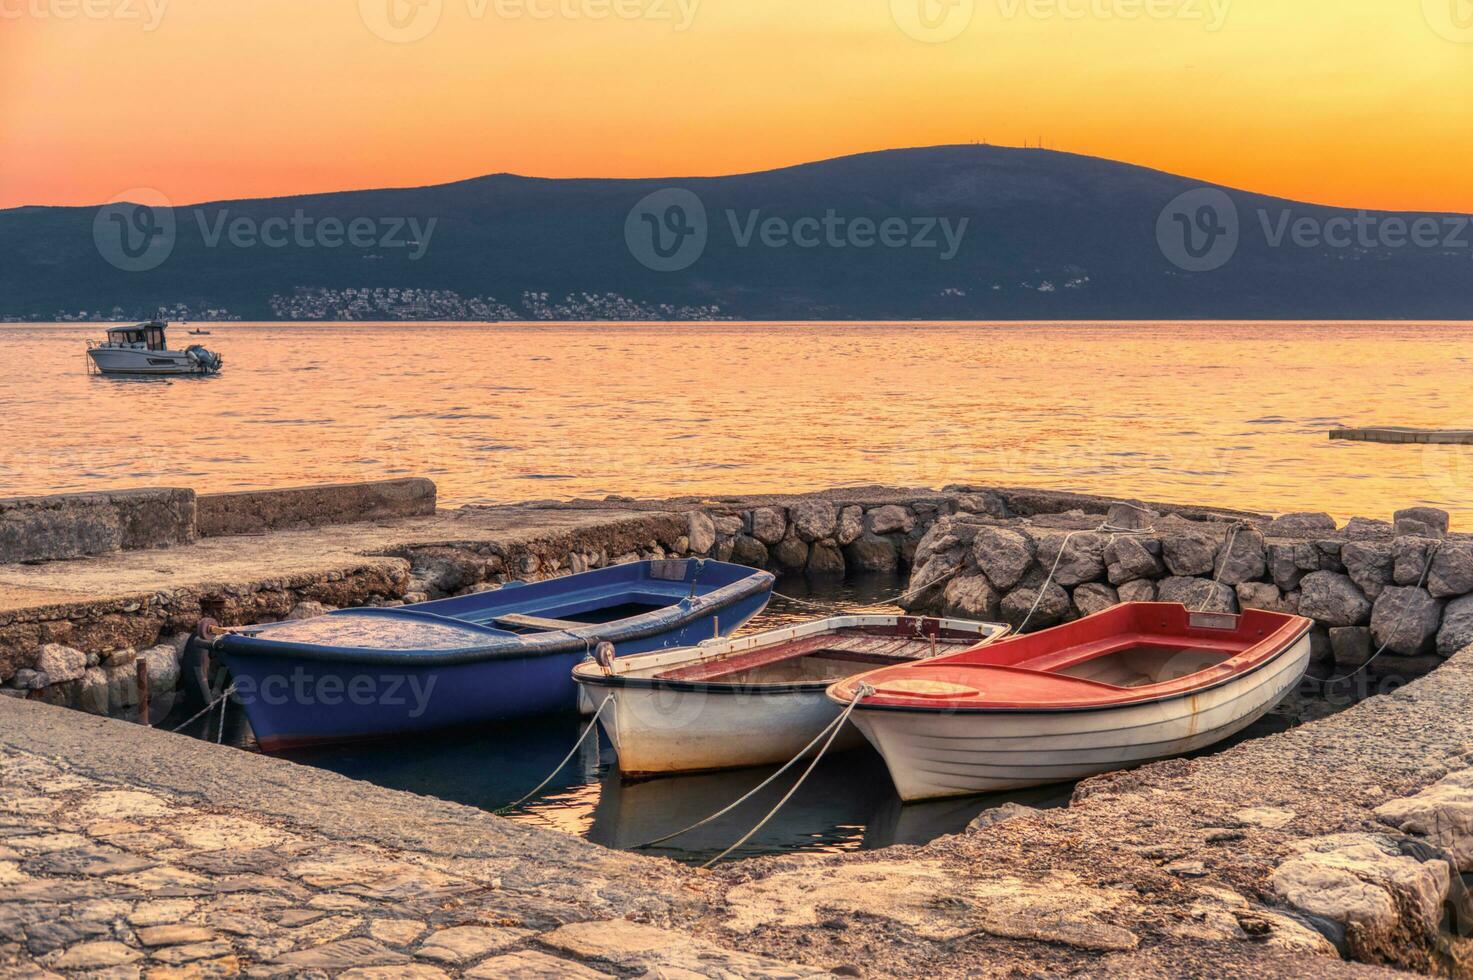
[{"x": 149, "y": 336}]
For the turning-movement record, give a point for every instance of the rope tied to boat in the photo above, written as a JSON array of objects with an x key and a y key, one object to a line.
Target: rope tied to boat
[
  {"x": 1105, "y": 527},
  {"x": 1325, "y": 682},
  {"x": 225, "y": 696},
  {"x": 861, "y": 692},
  {"x": 592, "y": 727}
]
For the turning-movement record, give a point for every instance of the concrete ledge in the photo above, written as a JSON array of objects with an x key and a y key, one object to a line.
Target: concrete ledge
[
  {"x": 34, "y": 529},
  {"x": 259, "y": 511}
]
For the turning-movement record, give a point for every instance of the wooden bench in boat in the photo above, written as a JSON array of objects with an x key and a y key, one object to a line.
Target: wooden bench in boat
[
  {"x": 877, "y": 650},
  {"x": 519, "y": 621}
]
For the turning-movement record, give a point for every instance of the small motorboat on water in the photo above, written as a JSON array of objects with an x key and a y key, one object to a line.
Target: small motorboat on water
[
  {"x": 1127, "y": 686},
  {"x": 199, "y": 333},
  {"x": 144, "y": 350},
  {"x": 728, "y": 704},
  {"x": 488, "y": 657}
]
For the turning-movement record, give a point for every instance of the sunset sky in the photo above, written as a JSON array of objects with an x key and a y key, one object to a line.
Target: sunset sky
[{"x": 1347, "y": 102}]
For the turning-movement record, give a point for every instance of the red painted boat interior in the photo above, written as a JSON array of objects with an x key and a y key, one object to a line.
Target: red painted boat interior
[{"x": 1132, "y": 652}]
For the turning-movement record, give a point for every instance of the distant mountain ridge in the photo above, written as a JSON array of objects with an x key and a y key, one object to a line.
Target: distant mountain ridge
[{"x": 952, "y": 232}]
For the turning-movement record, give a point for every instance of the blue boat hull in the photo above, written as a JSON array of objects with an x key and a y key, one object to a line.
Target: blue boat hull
[{"x": 299, "y": 694}]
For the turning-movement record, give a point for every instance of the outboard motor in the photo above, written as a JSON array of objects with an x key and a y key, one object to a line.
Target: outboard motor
[{"x": 208, "y": 361}]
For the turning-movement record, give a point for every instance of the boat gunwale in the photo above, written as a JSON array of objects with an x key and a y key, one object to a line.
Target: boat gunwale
[
  {"x": 511, "y": 646},
  {"x": 952, "y": 708},
  {"x": 592, "y": 676}
]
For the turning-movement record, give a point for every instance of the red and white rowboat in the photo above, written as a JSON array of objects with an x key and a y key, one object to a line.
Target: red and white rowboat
[{"x": 1136, "y": 683}]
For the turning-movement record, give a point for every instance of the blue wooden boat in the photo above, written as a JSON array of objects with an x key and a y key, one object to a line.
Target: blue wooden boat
[{"x": 488, "y": 657}]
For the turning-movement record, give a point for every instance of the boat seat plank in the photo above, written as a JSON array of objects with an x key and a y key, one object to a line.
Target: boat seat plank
[
  {"x": 520, "y": 621},
  {"x": 1075, "y": 655}
]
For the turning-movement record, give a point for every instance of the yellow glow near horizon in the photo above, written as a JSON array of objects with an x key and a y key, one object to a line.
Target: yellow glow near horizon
[{"x": 1363, "y": 103}]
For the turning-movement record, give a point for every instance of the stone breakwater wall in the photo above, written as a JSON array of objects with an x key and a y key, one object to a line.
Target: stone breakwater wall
[
  {"x": 260, "y": 511},
  {"x": 1405, "y": 585},
  {"x": 76, "y": 524}
]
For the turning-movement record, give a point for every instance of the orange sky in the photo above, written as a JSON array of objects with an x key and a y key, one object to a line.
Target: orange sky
[{"x": 1350, "y": 102}]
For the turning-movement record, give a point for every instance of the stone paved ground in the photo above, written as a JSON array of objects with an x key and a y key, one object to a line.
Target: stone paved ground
[{"x": 126, "y": 852}]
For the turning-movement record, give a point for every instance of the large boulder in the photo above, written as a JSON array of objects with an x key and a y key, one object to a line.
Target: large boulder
[
  {"x": 1452, "y": 570},
  {"x": 1367, "y": 529},
  {"x": 769, "y": 525},
  {"x": 1423, "y": 522},
  {"x": 1351, "y": 646},
  {"x": 61, "y": 663},
  {"x": 851, "y": 525},
  {"x": 1074, "y": 558},
  {"x": 1333, "y": 599},
  {"x": 1371, "y": 565},
  {"x": 700, "y": 532},
  {"x": 1290, "y": 561},
  {"x": 1131, "y": 515},
  {"x": 1242, "y": 557},
  {"x": 1441, "y": 814},
  {"x": 1262, "y": 595},
  {"x": 1302, "y": 525},
  {"x": 1025, "y": 606},
  {"x": 1141, "y": 590},
  {"x": 891, "y": 519},
  {"x": 1094, "y": 597},
  {"x": 1198, "y": 594},
  {"x": 1368, "y": 885},
  {"x": 791, "y": 553},
  {"x": 1456, "y": 634},
  {"x": 825, "y": 560},
  {"x": 873, "y": 553},
  {"x": 1127, "y": 559},
  {"x": 747, "y": 550},
  {"x": 972, "y": 597},
  {"x": 1189, "y": 554},
  {"x": 1412, "y": 555},
  {"x": 1004, "y": 556},
  {"x": 815, "y": 520},
  {"x": 163, "y": 670},
  {"x": 307, "y": 609},
  {"x": 1405, "y": 620}
]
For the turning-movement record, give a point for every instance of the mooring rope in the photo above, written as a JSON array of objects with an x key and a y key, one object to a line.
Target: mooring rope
[
  {"x": 592, "y": 727},
  {"x": 863, "y": 692},
  {"x": 893, "y": 600},
  {"x": 1104, "y": 528},
  {"x": 225, "y": 695},
  {"x": 750, "y": 793},
  {"x": 1324, "y": 682}
]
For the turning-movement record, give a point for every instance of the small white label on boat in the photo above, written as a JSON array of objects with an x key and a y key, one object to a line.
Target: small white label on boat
[{"x": 1214, "y": 621}]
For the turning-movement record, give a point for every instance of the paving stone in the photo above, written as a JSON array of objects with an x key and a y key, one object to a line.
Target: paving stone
[
  {"x": 225, "y": 966},
  {"x": 123, "y": 804},
  {"x": 660, "y": 952},
  {"x": 211, "y": 832},
  {"x": 163, "y": 912},
  {"x": 396, "y": 932},
  {"x": 174, "y": 935},
  {"x": 409, "y": 971},
  {"x": 341, "y": 955},
  {"x": 462, "y": 944},
  {"x": 96, "y": 956},
  {"x": 95, "y": 861},
  {"x": 531, "y": 965},
  {"x": 181, "y": 883},
  {"x": 293, "y": 918},
  {"x": 177, "y": 955}
]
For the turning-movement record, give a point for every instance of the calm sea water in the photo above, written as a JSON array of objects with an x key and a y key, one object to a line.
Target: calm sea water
[{"x": 1233, "y": 414}]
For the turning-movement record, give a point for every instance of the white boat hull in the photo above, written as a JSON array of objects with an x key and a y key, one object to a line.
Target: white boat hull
[
  {"x": 936, "y": 754},
  {"x": 120, "y": 360},
  {"x": 660, "y": 731}
]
